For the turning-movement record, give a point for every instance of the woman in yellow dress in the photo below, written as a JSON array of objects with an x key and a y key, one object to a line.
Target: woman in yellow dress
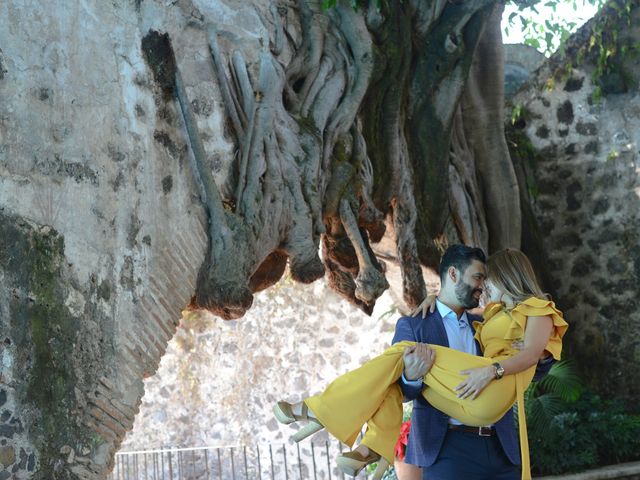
[{"x": 475, "y": 390}]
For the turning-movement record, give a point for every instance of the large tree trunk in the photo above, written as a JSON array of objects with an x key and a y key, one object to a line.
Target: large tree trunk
[{"x": 354, "y": 130}]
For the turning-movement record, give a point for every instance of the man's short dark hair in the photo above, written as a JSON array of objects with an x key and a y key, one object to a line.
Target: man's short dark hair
[{"x": 460, "y": 257}]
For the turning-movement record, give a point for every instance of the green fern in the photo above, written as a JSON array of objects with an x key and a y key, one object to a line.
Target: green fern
[
  {"x": 563, "y": 380},
  {"x": 548, "y": 397}
]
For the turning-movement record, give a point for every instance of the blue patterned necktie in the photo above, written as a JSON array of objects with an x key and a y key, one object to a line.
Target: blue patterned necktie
[{"x": 462, "y": 324}]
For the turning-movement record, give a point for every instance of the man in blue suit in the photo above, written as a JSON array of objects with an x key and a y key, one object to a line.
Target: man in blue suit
[{"x": 442, "y": 446}]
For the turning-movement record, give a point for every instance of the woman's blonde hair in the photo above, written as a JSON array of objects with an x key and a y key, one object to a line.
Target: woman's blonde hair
[{"x": 511, "y": 271}]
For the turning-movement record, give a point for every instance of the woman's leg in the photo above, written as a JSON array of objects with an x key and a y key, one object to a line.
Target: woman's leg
[
  {"x": 383, "y": 428},
  {"x": 356, "y": 398}
]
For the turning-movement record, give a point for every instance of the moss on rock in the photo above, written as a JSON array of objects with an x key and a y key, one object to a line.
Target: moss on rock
[{"x": 46, "y": 334}]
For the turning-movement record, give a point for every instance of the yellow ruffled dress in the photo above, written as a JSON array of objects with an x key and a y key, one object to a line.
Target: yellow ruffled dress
[{"x": 370, "y": 394}]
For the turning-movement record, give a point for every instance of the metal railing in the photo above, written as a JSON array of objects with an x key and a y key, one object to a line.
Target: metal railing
[{"x": 310, "y": 461}]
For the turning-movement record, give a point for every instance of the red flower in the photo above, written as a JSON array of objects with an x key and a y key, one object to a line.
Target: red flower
[{"x": 403, "y": 439}]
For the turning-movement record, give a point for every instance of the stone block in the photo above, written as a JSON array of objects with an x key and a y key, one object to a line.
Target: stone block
[
  {"x": 586, "y": 128},
  {"x": 7, "y": 456},
  {"x": 564, "y": 113},
  {"x": 573, "y": 84}
]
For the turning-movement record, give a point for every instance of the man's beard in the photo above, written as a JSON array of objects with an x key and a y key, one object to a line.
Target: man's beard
[{"x": 464, "y": 295}]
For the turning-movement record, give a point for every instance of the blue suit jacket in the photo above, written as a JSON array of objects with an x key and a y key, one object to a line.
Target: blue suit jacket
[{"x": 428, "y": 425}]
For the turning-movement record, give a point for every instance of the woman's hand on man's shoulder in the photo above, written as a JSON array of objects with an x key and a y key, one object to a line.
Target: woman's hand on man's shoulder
[{"x": 427, "y": 306}]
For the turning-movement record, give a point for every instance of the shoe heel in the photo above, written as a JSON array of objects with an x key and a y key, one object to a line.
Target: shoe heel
[
  {"x": 380, "y": 469},
  {"x": 282, "y": 412},
  {"x": 352, "y": 463},
  {"x": 306, "y": 431}
]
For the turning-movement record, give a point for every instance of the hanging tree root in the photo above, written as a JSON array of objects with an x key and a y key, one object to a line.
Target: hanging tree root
[
  {"x": 465, "y": 199},
  {"x": 370, "y": 282},
  {"x": 483, "y": 113},
  {"x": 231, "y": 296}
]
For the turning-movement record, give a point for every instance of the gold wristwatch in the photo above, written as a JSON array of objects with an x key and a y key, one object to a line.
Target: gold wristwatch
[{"x": 499, "y": 371}]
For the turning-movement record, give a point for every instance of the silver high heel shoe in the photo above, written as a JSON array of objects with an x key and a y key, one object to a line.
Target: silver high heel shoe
[
  {"x": 284, "y": 414},
  {"x": 352, "y": 463}
]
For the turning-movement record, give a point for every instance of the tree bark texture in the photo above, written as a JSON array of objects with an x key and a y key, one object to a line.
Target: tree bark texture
[{"x": 374, "y": 118}]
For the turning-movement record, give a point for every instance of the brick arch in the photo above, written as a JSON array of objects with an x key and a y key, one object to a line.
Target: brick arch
[{"x": 115, "y": 400}]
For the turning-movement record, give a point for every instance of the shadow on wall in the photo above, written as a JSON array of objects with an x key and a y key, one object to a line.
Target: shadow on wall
[{"x": 579, "y": 165}]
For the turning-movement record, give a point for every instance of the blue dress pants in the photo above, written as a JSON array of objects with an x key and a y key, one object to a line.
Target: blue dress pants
[{"x": 468, "y": 456}]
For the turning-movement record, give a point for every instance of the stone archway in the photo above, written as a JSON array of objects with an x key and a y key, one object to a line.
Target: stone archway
[{"x": 74, "y": 358}]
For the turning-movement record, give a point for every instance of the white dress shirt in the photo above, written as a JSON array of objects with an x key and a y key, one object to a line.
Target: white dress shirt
[
  {"x": 459, "y": 334},
  {"x": 458, "y": 330}
]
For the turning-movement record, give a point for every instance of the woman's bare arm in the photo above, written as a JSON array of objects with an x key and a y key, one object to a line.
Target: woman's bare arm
[{"x": 536, "y": 336}]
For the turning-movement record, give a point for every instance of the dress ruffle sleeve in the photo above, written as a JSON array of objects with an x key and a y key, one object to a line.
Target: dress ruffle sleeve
[{"x": 537, "y": 307}]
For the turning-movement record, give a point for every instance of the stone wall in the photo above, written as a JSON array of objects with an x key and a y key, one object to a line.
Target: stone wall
[
  {"x": 218, "y": 381},
  {"x": 584, "y": 185},
  {"x": 95, "y": 168}
]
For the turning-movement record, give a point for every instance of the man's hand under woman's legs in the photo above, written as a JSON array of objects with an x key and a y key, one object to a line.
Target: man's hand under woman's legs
[{"x": 418, "y": 360}]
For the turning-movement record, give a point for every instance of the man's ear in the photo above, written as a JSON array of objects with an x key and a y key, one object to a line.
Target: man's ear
[{"x": 452, "y": 273}]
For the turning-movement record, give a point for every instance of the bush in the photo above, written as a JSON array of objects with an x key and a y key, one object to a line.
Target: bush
[{"x": 590, "y": 432}]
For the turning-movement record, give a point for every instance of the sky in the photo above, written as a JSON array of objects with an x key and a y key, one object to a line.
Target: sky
[{"x": 564, "y": 10}]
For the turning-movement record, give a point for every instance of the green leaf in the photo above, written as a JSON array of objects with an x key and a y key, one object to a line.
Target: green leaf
[
  {"x": 385, "y": 315},
  {"x": 524, "y": 22},
  {"x": 563, "y": 381},
  {"x": 327, "y": 4},
  {"x": 547, "y": 398},
  {"x": 548, "y": 38},
  {"x": 541, "y": 410},
  {"x": 516, "y": 113},
  {"x": 533, "y": 42}
]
